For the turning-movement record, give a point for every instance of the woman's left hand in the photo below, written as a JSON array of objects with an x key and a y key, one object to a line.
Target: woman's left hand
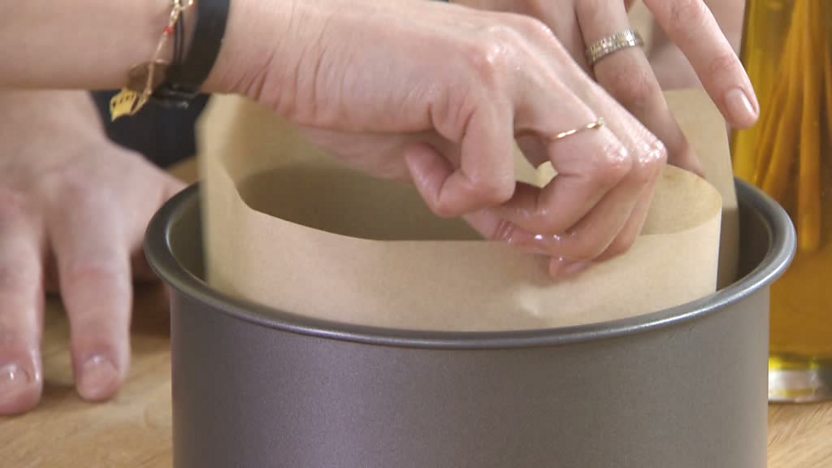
[
  {"x": 627, "y": 74},
  {"x": 73, "y": 210}
]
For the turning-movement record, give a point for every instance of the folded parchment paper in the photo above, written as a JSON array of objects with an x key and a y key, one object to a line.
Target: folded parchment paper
[{"x": 288, "y": 227}]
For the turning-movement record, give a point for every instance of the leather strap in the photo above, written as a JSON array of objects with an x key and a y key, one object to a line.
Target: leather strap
[{"x": 184, "y": 80}]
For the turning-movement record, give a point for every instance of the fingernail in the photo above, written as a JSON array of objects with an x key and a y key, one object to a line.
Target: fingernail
[
  {"x": 561, "y": 267},
  {"x": 575, "y": 268},
  {"x": 99, "y": 378},
  {"x": 740, "y": 107},
  {"x": 13, "y": 378}
]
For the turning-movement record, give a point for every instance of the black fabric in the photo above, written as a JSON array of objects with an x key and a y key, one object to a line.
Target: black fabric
[{"x": 164, "y": 135}]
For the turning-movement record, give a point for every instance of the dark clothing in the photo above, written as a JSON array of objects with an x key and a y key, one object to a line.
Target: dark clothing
[{"x": 165, "y": 136}]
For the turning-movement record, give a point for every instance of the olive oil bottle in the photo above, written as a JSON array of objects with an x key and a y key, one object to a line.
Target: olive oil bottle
[{"x": 786, "y": 50}]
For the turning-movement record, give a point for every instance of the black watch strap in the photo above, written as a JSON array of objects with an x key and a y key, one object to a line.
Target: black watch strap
[{"x": 184, "y": 79}]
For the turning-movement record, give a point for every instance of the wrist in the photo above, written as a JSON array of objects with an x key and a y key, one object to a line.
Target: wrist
[
  {"x": 246, "y": 50},
  {"x": 270, "y": 49}
]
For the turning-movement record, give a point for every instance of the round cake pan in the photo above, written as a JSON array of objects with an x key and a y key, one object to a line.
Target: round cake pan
[{"x": 683, "y": 387}]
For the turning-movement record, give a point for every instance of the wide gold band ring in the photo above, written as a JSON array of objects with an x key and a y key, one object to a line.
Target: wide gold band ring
[{"x": 612, "y": 43}]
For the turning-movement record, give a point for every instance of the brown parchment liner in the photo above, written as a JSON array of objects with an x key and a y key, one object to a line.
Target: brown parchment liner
[{"x": 289, "y": 227}]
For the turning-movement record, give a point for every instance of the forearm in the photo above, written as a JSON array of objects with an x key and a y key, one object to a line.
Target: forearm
[
  {"x": 77, "y": 43},
  {"x": 92, "y": 44}
]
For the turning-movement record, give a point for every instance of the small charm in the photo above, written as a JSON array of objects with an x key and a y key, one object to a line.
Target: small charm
[
  {"x": 141, "y": 81},
  {"x": 126, "y": 102}
]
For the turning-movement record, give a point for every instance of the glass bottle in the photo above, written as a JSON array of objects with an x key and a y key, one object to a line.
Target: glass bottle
[{"x": 786, "y": 50}]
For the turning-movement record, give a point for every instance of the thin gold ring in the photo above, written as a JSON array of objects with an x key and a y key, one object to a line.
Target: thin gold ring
[
  {"x": 612, "y": 43},
  {"x": 596, "y": 124}
]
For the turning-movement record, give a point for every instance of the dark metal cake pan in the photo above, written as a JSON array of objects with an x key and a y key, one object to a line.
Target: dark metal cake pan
[{"x": 682, "y": 387}]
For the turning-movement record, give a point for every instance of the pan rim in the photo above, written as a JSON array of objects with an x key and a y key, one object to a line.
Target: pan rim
[{"x": 780, "y": 231}]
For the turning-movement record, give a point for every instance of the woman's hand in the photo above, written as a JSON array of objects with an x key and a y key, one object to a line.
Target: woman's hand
[
  {"x": 627, "y": 74},
  {"x": 73, "y": 210},
  {"x": 473, "y": 81}
]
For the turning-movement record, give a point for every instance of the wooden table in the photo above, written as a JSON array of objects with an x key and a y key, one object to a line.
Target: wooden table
[{"x": 134, "y": 429}]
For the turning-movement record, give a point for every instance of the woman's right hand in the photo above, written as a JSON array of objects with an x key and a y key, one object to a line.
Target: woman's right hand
[{"x": 473, "y": 80}]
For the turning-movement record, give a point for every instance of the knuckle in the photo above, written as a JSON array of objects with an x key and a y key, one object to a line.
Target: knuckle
[
  {"x": 648, "y": 165},
  {"x": 443, "y": 209},
  {"x": 13, "y": 205},
  {"x": 725, "y": 63},
  {"x": 91, "y": 331},
  {"x": 532, "y": 27},
  {"x": 92, "y": 272},
  {"x": 591, "y": 10},
  {"x": 492, "y": 190},
  {"x": 69, "y": 186},
  {"x": 17, "y": 278},
  {"x": 658, "y": 154},
  {"x": 549, "y": 223},
  {"x": 685, "y": 14},
  {"x": 656, "y": 157},
  {"x": 74, "y": 188},
  {"x": 491, "y": 55},
  {"x": 543, "y": 220},
  {"x": 611, "y": 165},
  {"x": 472, "y": 194},
  {"x": 632, "y": 86}
]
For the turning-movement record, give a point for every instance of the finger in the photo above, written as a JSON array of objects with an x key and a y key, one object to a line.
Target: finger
[
  {"x": 142, "y": 272},
  {"x": 601, "y": 170},
  {"x": 21, "y": 312},
  {"x": 94, "y": 275},
  {"x": 140, "y": 268},
  {"x": 589, "y": 165},
  {"x": 595, "y": 231},
  {"x": 562, "y": 267},
  {"x": 533, "y": 149},
  {"x": 629, "y": 233},
  {"x": 626, "y": 74},
  {"x": 692, "y": 27},
  {"x": 490, "y": 225},
  {"x": 595, "y": 234},
  {"x": 608, "y": 231},
  {"x": 172, "y": 187},
  {"x": 485, "y": 176}
]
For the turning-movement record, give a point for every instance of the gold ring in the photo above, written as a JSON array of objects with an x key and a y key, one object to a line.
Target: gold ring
[
  {"x": 594, "y": 125},
  {"x": 612, "y": 43}
]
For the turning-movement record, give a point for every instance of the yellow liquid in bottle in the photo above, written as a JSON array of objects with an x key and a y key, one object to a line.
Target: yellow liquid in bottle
[{"x": 786, "y": 50}]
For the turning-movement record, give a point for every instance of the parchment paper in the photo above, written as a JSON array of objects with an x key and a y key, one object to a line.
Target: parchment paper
[{"x": 288, "y": 227}]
